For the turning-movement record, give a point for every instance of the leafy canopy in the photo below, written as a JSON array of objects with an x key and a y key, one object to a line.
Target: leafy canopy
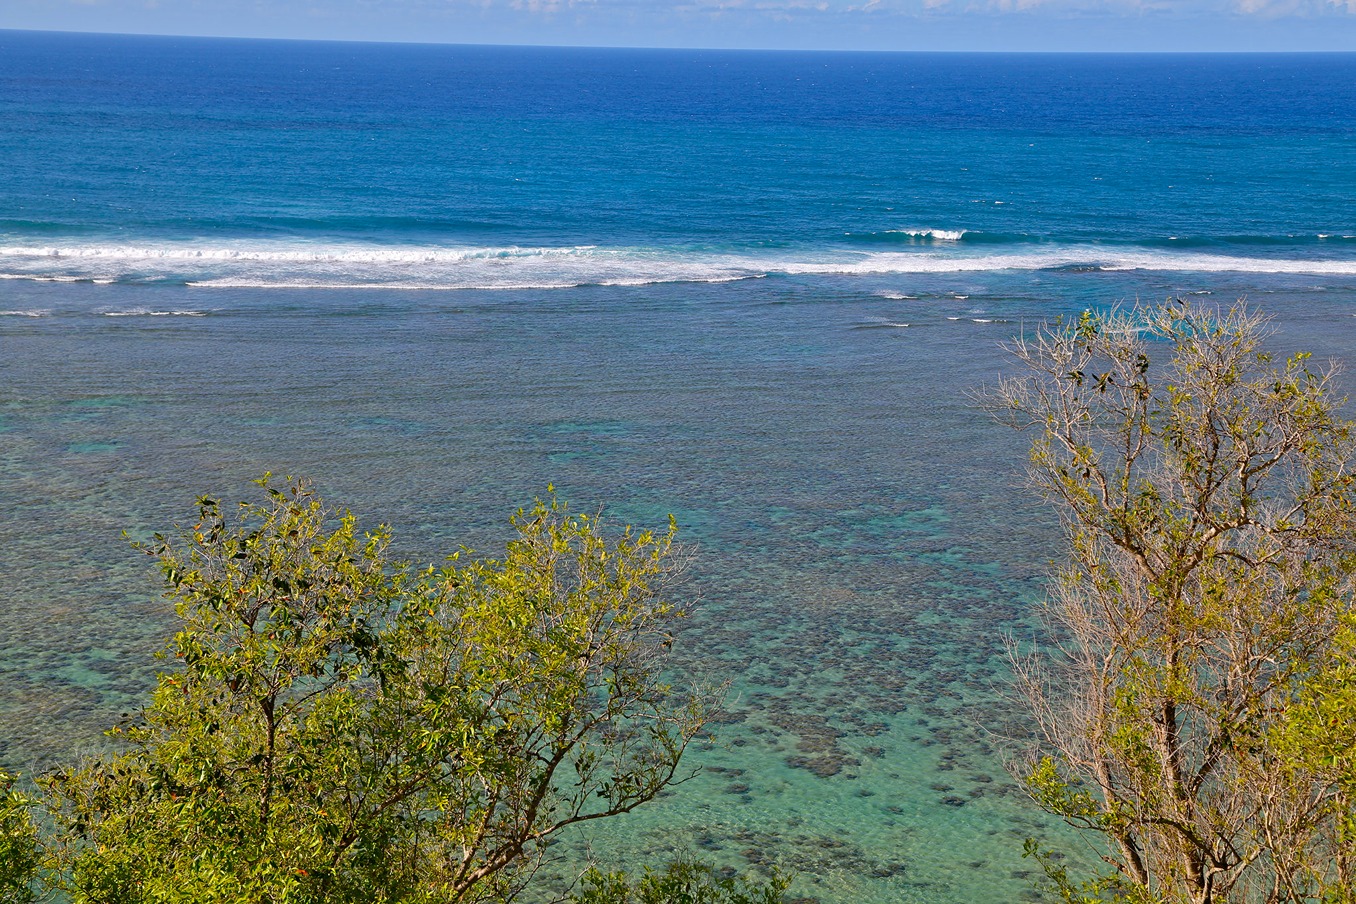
[
  {"x": 338, "y": 727},
  {"x": 681, "y": 882},
  {"x": 19, "y": 852}
]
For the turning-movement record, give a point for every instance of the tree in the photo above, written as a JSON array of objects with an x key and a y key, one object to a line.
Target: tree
[
  {"x": 342, "y": 728},
  {"x": 681, "y": 882},
  {"x": 1318, "y": 744},
  {"x": 1207, "y": 498},
  {"x": 18, "y": 843}
]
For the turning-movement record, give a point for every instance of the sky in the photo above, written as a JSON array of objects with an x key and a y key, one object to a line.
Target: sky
[{"x": 976, "y": 25}]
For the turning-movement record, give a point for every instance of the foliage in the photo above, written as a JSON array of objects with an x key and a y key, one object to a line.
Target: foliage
[
  {"x": 342, "y": 728},
  {"x": 1108, "y": 888},
  {"x": 18, "y": 843},
  {"x": 1317, "y": 739},
  {"x": 1207, "y": 497},
  {"x": 681, "y": 882}
]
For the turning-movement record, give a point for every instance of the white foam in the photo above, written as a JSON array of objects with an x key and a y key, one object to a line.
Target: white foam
[
  {"x": 304, "y": 254},
  {"x": 1219, "y": 263},
  {"x": 24, "y": 313},
  {"x": 1091, "y": 258},
  {"x": 356, "y": 265},
  {"x": 238, "y": 283},
  {"x": 44, "y": 277},
  {"x": 300, "y": 265},
  {"x": 936, "y": 235},
  {"x": 145, "y": 312}
]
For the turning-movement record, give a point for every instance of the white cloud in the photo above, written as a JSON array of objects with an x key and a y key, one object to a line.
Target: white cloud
[
  {"x": 1267, "y": 8},
  {"x": 1275, "y": 9},
  {"x": 1107, "y": 7}
]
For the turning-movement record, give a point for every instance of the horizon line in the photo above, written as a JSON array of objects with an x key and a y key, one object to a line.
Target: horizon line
[{"x": 669, "y": 47}]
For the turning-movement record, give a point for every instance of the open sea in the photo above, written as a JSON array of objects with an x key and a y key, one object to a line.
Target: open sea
[{"x": 752, "y": 289}]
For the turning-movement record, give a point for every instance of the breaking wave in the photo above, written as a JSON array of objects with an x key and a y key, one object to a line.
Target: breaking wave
[
  {"x": 334, "y": 266},
  {"x": 146, "y": 312}
]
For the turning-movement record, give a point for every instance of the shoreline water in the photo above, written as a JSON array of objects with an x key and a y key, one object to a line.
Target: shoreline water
[{"x": 862, "y": 540}]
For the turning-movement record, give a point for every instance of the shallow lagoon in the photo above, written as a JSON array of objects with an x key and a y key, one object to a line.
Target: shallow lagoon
[{"x": 862, "y": 543}]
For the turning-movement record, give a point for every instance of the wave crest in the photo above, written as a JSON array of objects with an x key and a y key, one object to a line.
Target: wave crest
[
  {"x": 334, "y": 266},
  {"x": 934, "y": 235}
]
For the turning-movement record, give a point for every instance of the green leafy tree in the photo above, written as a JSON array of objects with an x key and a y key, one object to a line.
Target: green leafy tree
[
  {"x": 340, "y": 728},
  {"x": 681, "y": 882},
  {"x": 1317, "y": 740},
  {"x": 18, "y": 843},
  {"x": 1206, "y": 493}
]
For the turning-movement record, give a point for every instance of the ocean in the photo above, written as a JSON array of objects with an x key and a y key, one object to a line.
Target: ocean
[{"x": 755, "y": 290}]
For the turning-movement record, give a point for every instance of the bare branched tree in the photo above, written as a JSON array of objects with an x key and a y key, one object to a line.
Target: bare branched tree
[{"x": 1207, "y": 496}]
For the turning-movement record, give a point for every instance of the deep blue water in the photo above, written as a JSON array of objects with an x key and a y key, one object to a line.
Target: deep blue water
[
  {"x": 751, "y": 289},
  {"x": 267, "y": 163}
]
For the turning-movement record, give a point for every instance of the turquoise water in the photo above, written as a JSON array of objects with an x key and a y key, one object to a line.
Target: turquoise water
[{"x": 753, "y": 290}]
